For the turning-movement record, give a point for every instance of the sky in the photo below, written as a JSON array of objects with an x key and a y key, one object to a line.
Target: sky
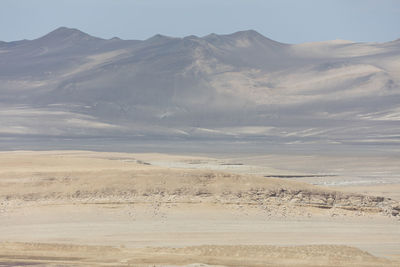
[{"x": 288, "y": 21}]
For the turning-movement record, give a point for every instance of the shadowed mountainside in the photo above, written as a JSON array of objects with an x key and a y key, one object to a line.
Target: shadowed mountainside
[{"x": 70, "y": 84}]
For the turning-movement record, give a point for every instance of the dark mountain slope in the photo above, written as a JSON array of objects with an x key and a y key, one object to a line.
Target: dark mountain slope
[{"x": 239, "y": 85}]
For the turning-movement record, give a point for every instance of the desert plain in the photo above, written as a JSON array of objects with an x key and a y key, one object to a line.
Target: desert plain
[{"x": 83, "y": 208}]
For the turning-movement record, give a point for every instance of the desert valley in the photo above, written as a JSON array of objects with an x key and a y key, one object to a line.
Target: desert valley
[
  {"x": 77, "y": 208},
  {"x": 221, "y": 150}
]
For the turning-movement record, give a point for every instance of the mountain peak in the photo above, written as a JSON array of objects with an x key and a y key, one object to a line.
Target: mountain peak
[
  {"x": 160, "y": 38},
  {"x": 66, "y": 30},
  {"x": 115, "y": 39},
  {"x": 67, "y": 33},
  {"x": 251, "y": 35},
  {"x": 244, "y": 38},
  {"x": 213, "y": 37},
  {"x": 247, "y": 33},
  {"x": 191, "y": 37}
]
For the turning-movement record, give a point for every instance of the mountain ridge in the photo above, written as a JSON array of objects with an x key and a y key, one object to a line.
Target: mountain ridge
[
  {"x": 241, "y": 85},
  {"x": 64, "y": 31}
]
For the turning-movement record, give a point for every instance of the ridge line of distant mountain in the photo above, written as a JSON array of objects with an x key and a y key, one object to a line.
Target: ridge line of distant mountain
[{"x": 65, "y": 32}]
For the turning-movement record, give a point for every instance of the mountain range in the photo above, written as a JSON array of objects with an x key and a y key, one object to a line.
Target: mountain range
[{"x": 240, "y": 86}]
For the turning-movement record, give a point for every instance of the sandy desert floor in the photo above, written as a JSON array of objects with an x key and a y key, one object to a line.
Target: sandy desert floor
[{"x": 79, "y": 208}]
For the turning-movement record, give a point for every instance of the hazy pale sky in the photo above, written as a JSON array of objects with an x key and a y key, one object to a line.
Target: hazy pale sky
[{"x": 289, "y": 21}]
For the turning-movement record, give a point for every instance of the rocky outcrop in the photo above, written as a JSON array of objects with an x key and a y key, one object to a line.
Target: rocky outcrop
[{"x": 262, "y": 197}]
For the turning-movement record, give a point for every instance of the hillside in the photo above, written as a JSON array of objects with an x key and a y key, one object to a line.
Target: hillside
[{"x": 68, "y": 84}]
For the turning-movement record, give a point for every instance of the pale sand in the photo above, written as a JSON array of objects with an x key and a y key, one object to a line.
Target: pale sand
[{"x": 117, "y": 200}]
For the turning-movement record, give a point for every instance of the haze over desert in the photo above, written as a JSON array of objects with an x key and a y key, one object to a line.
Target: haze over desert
[{"x": 199, "y": 133}]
